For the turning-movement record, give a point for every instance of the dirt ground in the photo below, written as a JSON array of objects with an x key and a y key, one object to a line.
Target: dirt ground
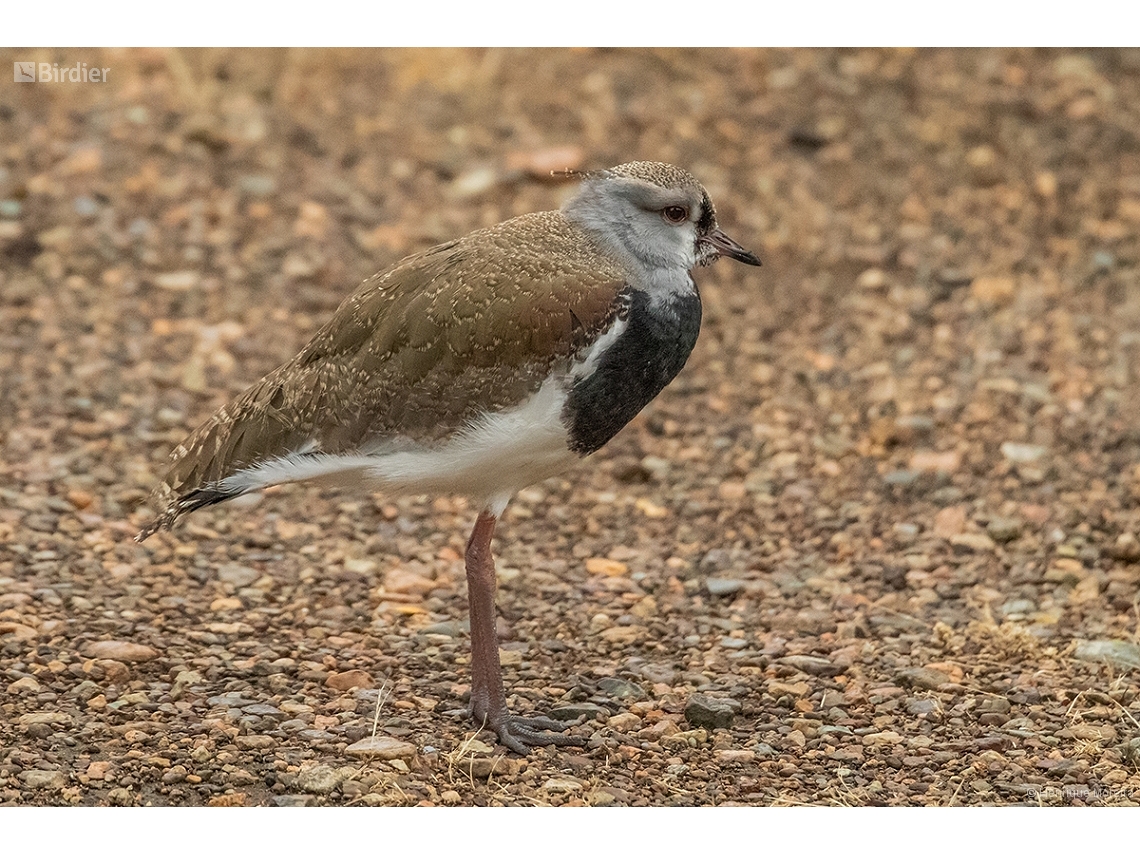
[{"x": 879, "y": 544}]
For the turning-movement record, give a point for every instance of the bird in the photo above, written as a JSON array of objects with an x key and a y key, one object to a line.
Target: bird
[{"x": 476, "y": 368}]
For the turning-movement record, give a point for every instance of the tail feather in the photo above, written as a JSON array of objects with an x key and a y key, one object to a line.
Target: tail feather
[{"x": 192, "y": 501}]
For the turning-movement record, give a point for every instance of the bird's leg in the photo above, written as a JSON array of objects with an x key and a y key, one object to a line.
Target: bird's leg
[{"x": 488, "y": 699}]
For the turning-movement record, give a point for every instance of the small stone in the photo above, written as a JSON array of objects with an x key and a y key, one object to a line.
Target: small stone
[
  {"x": 474, "y": 182},
  {"x": 539, "y": 163},
  {"x": 1121, "y": 654},
  {"x": 40, "y": 779},
  {"x": 562, "y": 785},
  {"x": 178, "y": 280},
  {"x": 779, "y": 689},
  {"x": 1020, "y": 452},
  {"x": 1004, "y": 529},
  {"x": 263, "y": 710},
  {"x": 921, "y": 706},
  {"x": 705, "y": 711},
  {"x": 257, "y": 185},
  {"x": 24, "y": 685},
  {"x": 121, "y": 651},
  {"x": 294, "y": 801},
  {"x": 621, "y": 689},
  {"x": 873, "y": 278},
  {"x": 238, "y": 576},
  {"x": 935, "y": 461},
  {"x": 993, "y": 290},
  {"x": 605, "y": 567},
  {"x": 320, "y": 779},
  {"x": 450, "y": 797},
  {"x": 719, "y": 587},
  {"x": 950, "y": 521},
  {"x": 60, "y": 718},
  {"x": 886, "y": 737},
  {"x": 815, "y": 665},
  {"x": 734, "y": 756},
  {"x": 484, "y": 766},
  {"x": 401, "y": 581},
  {"x": 625, "y": 722},
  {"x": 345, "y": 680},
  {"x": 97, "y": 770},
  {"x": 570, "y": 712},
  {"x": 1126, "y": 548},
  {"x": 256, "y": 742},
  {"x": 972, "y": 542},
  {"x": 623, "y": 634},
  {"x": 382, "y": 748}
]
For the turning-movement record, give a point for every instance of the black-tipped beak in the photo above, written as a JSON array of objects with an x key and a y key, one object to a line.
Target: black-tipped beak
[{"x": 726, "y": 246}]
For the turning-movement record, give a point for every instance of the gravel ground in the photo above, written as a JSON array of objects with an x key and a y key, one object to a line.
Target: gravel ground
[{"x": 878, "y": 544}]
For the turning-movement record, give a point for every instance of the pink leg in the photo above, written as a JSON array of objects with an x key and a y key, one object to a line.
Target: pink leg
[{"x": 488, "y": 699}]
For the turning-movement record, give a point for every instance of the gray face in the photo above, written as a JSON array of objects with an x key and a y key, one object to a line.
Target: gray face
[{"x": 658, "y": 227}]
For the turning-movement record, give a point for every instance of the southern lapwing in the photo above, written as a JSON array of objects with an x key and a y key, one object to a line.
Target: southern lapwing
[{"x": 478, "y": 367}]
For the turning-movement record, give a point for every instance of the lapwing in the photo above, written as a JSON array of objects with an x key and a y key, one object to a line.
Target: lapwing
[{"x": 476, "y": 368}]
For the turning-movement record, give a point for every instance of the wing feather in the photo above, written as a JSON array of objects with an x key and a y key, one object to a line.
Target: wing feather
[{"x": 414, "y": 355}]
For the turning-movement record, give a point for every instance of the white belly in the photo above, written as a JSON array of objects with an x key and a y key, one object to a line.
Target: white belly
[{"x": 488, "y": 461}]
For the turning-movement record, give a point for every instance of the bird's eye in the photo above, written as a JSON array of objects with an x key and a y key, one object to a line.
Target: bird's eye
[{"x": 675, "y": 214}]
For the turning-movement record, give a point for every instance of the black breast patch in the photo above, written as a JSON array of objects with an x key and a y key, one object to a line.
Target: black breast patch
[{"x": 630, "y": 374}]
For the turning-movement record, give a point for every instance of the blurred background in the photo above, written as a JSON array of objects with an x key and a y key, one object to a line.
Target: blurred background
[{"x": 932, "y": 384}]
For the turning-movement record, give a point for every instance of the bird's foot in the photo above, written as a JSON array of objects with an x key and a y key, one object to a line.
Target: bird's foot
[{"x": 520, "y": 733}]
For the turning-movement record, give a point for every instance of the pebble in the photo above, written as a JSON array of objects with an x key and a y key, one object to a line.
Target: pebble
[
  {"x": 294, "y": 800},
  {"x": 1019, "y": 452},
  {"x": 972, "y": 542},
  {"x": 121, "y": 651},
  {"x": 320, "y": 779},
  {"x": 779, "y": 689},
  {"x": 177, "y": 280},
  {"x": 237, "y": 575},
  {"x": 734, "y": 756},
  {"x": 606, "y": 567},
  {"x": 815, "y": 665},
  {"x": 921, "y": 706},
  {"x": 624, "y": 722},
  {"x": 484, "y": 767},
  {"x": 719, "y": 587},
  {"x": 345, "y": 680},
  {"x": 474, "y": 182},
  {"x": 257, "y": 185},
  {"x": 382, "y": 748},
  {"x": 562, "y": 785},
  {"x": 704, "y": 711},
  {"x": 621, "y": 689},
  {"x": 263, "y": 710},
  {"x": 24, "y": 685},
  {"x": 1126, "y": 548},
  {"x": 993, "y": 289},
  {"x": 1121, "y": 654},
  {"x": 885, "y": 737},
  {"x": 569, "y": 712},
  {"x": 1004, "y": 529},
  {"x": 40, "y": 779},
  {"x": 923, "y": 678},
  {"x": 539, "y": 163}
]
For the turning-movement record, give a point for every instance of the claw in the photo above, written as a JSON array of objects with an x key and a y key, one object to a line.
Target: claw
[{"x": 520, "y": 733}]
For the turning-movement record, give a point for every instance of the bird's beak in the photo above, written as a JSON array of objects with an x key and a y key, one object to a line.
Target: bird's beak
[{"x": 724, "y": 245}]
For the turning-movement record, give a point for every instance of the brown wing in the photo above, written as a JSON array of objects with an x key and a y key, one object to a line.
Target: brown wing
[{"x": 417, "y": 353}]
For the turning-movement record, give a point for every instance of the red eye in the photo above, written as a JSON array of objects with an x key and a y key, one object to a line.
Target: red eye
[{"x": 675, "y": 214}]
